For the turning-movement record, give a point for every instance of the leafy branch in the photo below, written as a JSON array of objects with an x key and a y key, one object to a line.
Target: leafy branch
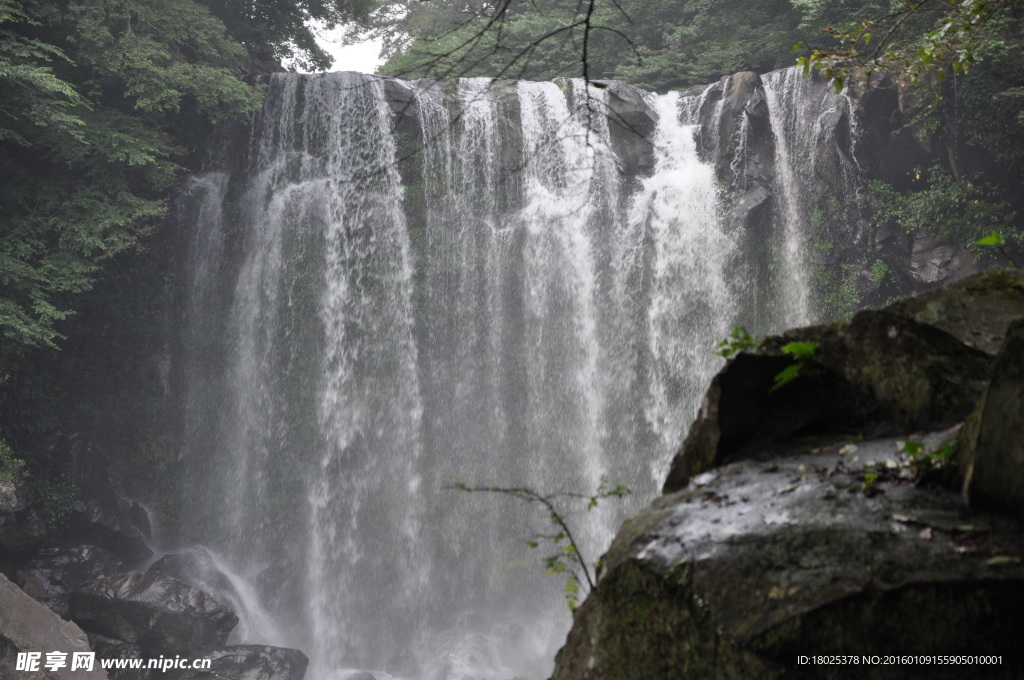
[
  {"x": 567, "y": 559},
  {"x": 896, "y": 41},
  {"x": 996, "y": 240}
]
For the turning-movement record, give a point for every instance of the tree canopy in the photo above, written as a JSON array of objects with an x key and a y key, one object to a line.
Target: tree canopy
[{"x": 101, "y": 102}]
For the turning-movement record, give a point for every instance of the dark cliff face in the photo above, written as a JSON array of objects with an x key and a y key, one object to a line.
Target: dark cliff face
[
  {"x": 850, "y": 511},
  {"x": 795, "y": 160}
]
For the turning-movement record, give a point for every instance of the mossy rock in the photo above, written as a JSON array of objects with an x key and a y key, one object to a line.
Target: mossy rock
[
  {"x": 923, "y": 363},
  {"x": 785, "y": 554},
  {"x": 991, "y": 452}
]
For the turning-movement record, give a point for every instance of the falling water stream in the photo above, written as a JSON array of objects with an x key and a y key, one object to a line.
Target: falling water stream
[{"x": 363, "y": 327}]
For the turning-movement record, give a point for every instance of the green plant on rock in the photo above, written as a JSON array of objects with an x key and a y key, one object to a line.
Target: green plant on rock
[
  {"x": 879, "y": 270},
  {"x": 924, "y": 460},
  {"x": 957, "y": 210},
  {"x": 817, "y": 219},
  {"x": 806, "y": 362},
  {"x": 12, "y": 469},
  {"x": 567, "y": 559},
  {"x": 837, "y": 290},
  {"x": 823, "y": 246},
  {"x": 738, "y": 341}
]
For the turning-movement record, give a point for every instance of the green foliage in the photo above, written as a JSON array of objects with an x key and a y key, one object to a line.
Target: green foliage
[
  {"x": 879, "y": 270},
  {"x": 817, "y": 219},
  {"x": 157, "y": 54},
  {"x": 34, "y": 98},
  {"x": 87, "y": 151},
  {"x": 566, "y": 559},
  {"x": 12, "y": 469},
  {"x": 656, "y": 44},
  {"x": 920, "y": 39},
  {"x": 738, "y": 341},
  {"x": 923, "y": 460},
  {"x": 806, "y": 363},
  {"x": 959, "y": 211},
  {"x": 836, "y": 288},
  {"x": 996, "y": 240},
  {"x": 53, "y": 497},
  {"x": 285, "y": 30},
  {"x": 993, "y": 239}
]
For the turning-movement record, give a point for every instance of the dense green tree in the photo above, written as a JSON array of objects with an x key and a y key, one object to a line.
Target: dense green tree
[
  {"x": 103, "y": 105},
  {"x": 90, "y": 91},
  {"x": 285, "y": 30},
  {"x": 657, "y": 44}
]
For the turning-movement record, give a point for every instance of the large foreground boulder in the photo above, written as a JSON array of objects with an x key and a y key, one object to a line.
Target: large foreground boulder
[
  {"x": 28, "y": 626},
  {"x": 159, "y": 613},
  {"x": 764, "y": 560},
  {"x": 823, "y": 516},
  {"x": 992, "y": 450},
  {"x": 922, "y": 363}
]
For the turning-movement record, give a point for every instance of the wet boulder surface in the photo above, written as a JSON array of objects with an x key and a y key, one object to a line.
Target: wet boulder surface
[
  {"x": 827, "y": 516},
  {"x": 248, "y": 662},
  {"x": 197, "y": 568},
  {"x": 56, "y": 571},
  {"x": 28, "y": 626},
  {"x": 109, "y": 649},
  {"x": 159, "y": 613}
]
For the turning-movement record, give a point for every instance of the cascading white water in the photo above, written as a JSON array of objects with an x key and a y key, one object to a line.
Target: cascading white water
[
  {"x": 809, "y": 166},
  {"x": 514, "y": 311},
  {"x": 693, "y": 301}
]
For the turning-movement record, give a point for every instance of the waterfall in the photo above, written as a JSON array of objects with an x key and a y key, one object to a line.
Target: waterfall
[
  {"x": 402, "y": 285},
  {"x": 812, "y": 166}
]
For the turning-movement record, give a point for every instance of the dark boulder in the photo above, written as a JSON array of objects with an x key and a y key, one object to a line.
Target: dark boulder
[
  {"x": 102, "y": 517},
  {"x": 248, "y": 662},
  {"x": 783, "y": 554},
  {"x": 992, "y": 450},
  {"x": 28, "y": 626},
  {"x": 921, "y": 363},
  {"x": 20, "y": 523},
  {"x": 874, "y": 373},
  {"x": 801, "y": 521},
  {"x": 107, "y": 648},
  {"x": 631, "y": 124},
  {"x": 159, "y": 613},
  {"x": 976, "y": 310},
  {"x": 196, "y": 567},
  {"x": 56, "y": 571}
]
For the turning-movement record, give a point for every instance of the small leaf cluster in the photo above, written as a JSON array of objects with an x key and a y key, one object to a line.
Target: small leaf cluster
[
  {"x": 925, "y": 461},
  {"x": 913, "y": 460},
  {"x": 739, "y": 340},
  {"x": 806, "y": 362}
]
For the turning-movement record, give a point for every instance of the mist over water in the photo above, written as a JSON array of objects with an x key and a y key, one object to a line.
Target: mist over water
[{"x": 382, "y": 299}]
